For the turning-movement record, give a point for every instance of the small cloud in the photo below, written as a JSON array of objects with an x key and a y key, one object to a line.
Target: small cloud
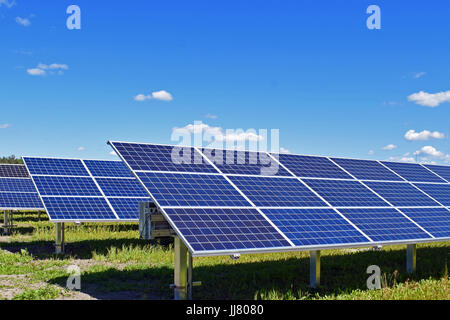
[
  {"x": 23, "y": 21},
  {"x": 54, "y": 68},
  {"x": 389, "y": 147},
  {"x": 210, "y": 116},
  {"x": 113, "y": 153},
  {"x": 36, "y": 72},
  {"x": 80, "y": 148},
  {"x": 5, "y": 125},
  {"x": 402, "y": 159},
  {"x": 7, "y": 3},
  {"x": 430, "y": 151},
  {"x": 371, "y": 153},
  {"x": 412, "y": 135},
  {"x": 283, "y": 150},
  {"x": 430, "y": 99},
  {"x": 417, "y": 75},
  {"x": 156, "y": 95}
]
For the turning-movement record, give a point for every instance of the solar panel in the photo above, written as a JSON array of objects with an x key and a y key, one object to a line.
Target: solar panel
[
  {"x": 440, "y": 192},
  {"x": 308, "y": 227},
  {"x": 16, "y": 185},
  {"x": 401, "y": 194},
  {"x": 70, "y": 191},
  {"x": 435, "y": 220},
  {"x": 163, "y": 158},
  {"x": 206, "y": 199},
  {"x": 191, "y": 190},
  {"x": 367, "y": 169},
  {"x": 103, "y": 168},
  {"x": 17, "y": 201},
  {"x": 276, "y": 192},
  {"x": 442, "y": 171},
  {"x": 13, "y": 171},
  {"x": 384, "y": 224},
  {"x": 245, "y": 162},
  {"x": 312, "y": 167},
  {"x": 413, "y": 172},
  {"x": 225, "y": 229},
  {"x": 341, "y": 193}
]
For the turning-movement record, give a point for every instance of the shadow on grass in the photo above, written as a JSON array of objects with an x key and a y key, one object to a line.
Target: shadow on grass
[{"x": 250, "y": 280}]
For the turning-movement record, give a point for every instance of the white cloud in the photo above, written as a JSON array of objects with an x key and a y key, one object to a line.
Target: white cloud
[
  {"x": 7, "y": 3},
  {"x": 218, "y": 133},
  {"x": 430, "y": 99},
  {"x": 211, "y": 116},
  {"x": 433, "y": 152},
  {"x": 417, "y": 75},
  {"x": 402, "y": 159},
  {"x": 371, "y": 152},
  {"x": 113, "y": 153},
  {"x": 389, "y": 147},
  {"x": 5, "y": 125},
  {"x": 54, "y": 68},
  {"x": 36, "y": 72},
  {"x": 156, "y": 95},
  {"x": 283, "y": 150},
  {"x": 80, "y": 148},
  {"x": 412, "y": 135},
  {"x": 23, "y": 21}
]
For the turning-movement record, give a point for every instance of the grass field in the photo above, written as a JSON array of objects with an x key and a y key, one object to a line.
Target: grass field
[{"x": 115, "y": 264}]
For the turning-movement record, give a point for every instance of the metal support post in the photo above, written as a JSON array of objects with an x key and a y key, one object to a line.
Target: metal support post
[
  {"x": 314, "y": 268},
  {"x": 189, "y": 276},
  {"x": 411, "y": 258},
  {"x": 59, "y": 243},
  {"x": 180, "y": 270}
]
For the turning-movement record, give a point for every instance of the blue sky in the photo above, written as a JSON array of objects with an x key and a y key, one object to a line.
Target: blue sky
[{"x": 311, "y": 69}]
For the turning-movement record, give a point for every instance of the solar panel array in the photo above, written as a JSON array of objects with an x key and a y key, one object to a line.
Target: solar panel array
[
  {"x": 222, "y": 201},
  {"x": 86, "y": 190},
  {"x": 17, "y": 191}
]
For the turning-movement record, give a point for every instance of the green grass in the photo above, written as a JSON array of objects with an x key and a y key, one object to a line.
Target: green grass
[{"x": 116, "y": 264}]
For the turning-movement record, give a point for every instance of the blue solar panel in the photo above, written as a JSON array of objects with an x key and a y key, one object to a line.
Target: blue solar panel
[
  {"x": 172, "y": 189},
  {"x": 401, "y": 194},
  {"x": 163, "y": 158},
  {"x": 440, "y": 192},
  {"x": 245, "y": 162},
  {"x": 78, "y": 208},
  {"x": 225, "y": 229},
  {"x": 307, "y": 227},
  {"x": 102, "y": 168},
  {"x": 13, "y": 171},
  {"x": 112, "y": 187},
  {"x": 16, "y": 185},
  {"x": 50, "y": 166},
  {"x": 277, "y": 192},
  {"x": 15, "y": 200},
  {"x": 442, "y": 171},
  {"x": 435, "y": 220},
  {"x": 367, "y": 169},
  {"x": 413, "y": 172},
  {"x": 312, "y": 167},
  {"x": 386, "y": 224},
  {"x": 127, "y": 208},
  {"x": 65, "y": 186},
  {"x": 345, "y": 193}
]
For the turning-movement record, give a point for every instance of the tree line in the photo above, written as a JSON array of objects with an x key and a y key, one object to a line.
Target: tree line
[{"x": 10, "y": 159}]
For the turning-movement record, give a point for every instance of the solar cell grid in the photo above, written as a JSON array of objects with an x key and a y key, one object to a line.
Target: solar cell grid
[
  {"x": 78, "y": 208},
  {"x": 163, "y": 158},
  {"x": 312, "y": 167},
  {"x": 13, "y": 171},
  {"x": 442, "y": 171},
  {"x": 102, "y": 168},
  {"x": 127, "y": 208},
  {"x": 435, "y": 220},
  {"x": 66, "y": 186},
  {"x": 341, "y": 193},
  {"x": 305, "y": 227},
  {"x": 225, "y": 229},
  {"x": 113, "y": 187},
  {"x": 401, "y": 194},
  {"x": 16, "y": 200},
  {"x": 245, "y": 162},
  {"x": 52, "y": 166},
  {"x": 367, "y": 169},
  {"x": 440, "y": 192},
  {"x": 16, "y": 185},
  {"x": 172, "y": 189},
  {"x": 277, "y": 192},
  {"x": 384, "y": 224},
  {"x": 413, "y": 172}
]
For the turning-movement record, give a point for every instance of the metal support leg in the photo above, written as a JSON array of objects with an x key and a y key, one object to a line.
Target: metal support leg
[
  {"x": 59, "y": 243},
  {"x": 411, "y": 258},
  {"x": 314, "y": 268},
  {"x": 189, "y": 276},
  {"x": 7, "y": 222},
  {"x": 180, "y": 270}
]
